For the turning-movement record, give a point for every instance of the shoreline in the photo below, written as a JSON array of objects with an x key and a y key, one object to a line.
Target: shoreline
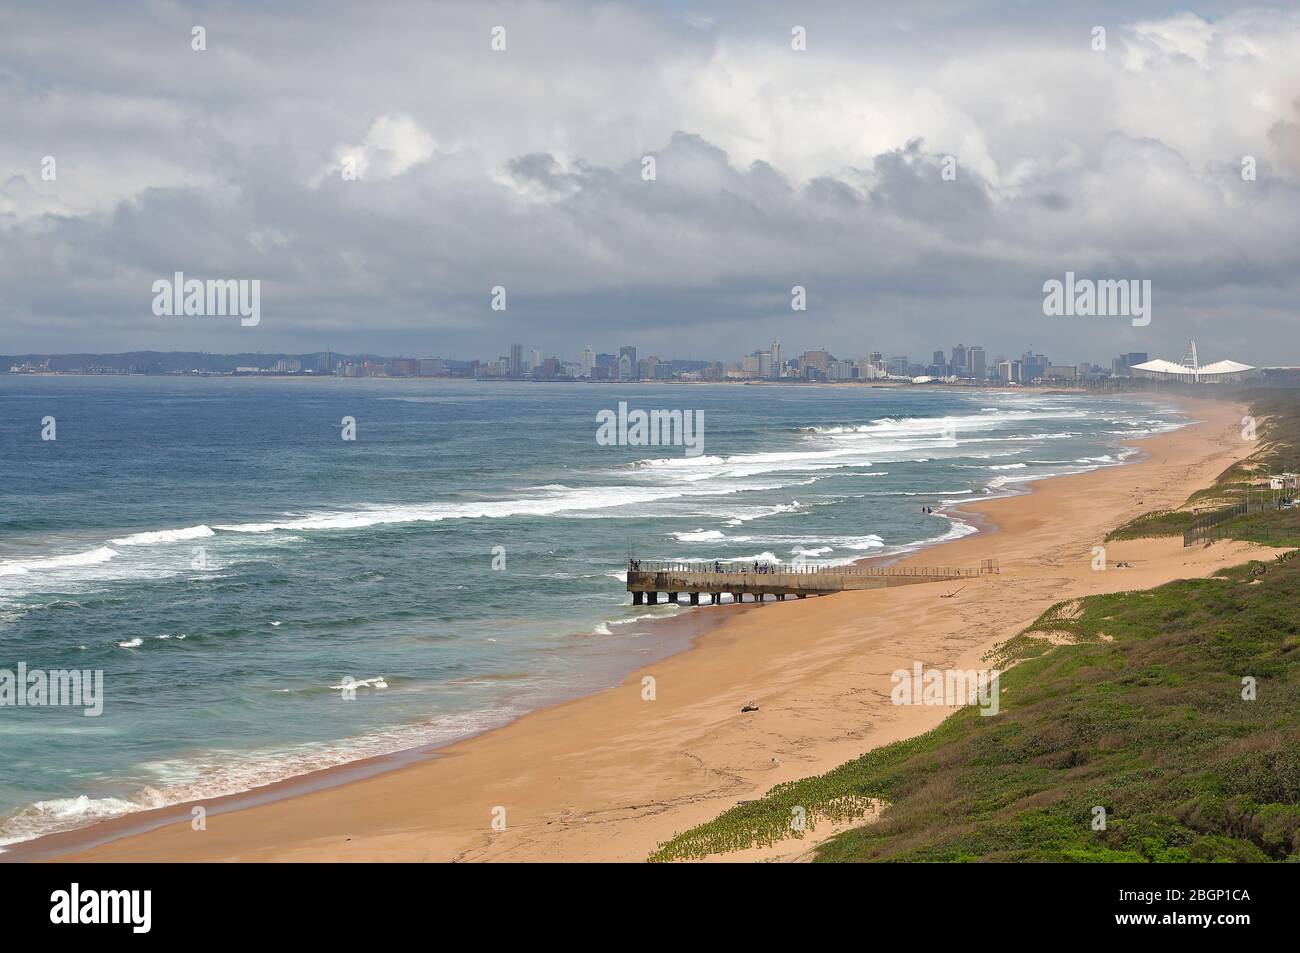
[
  {"x": 678, "y": 633},
  {"x": 121, "y": 837}
]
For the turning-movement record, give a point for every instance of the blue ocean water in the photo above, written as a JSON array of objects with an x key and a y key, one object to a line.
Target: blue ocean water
[{"x": 227, "y": 559}]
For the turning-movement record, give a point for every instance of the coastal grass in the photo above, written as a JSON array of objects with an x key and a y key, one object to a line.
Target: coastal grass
[
  {"x": 1276, "y": 415},
  {"x": 1128, "y": 703},
  {"x": 1156, "y": 523}
]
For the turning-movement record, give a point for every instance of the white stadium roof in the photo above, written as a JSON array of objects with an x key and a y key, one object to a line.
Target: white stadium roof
[
  {"x": 1162, "y": 366},
  {"x": 1225, "y": 367}
]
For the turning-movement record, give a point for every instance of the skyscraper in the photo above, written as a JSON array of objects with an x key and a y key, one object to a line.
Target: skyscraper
[
  {"x": 776, "y": 358},
  {"x": 1033, "y": 366},
  {"x": 588, "y": 360},
  {"x": 627, "y": 368},
  {"x": 818, "y": 359},
  {"x": 975, "y": 363},
  {"x": 516, "y": 360}
]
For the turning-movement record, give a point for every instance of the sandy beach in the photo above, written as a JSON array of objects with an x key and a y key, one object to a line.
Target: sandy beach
[{"x": 609, "y": 776}]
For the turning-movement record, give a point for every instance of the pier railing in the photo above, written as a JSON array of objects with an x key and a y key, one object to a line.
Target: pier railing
[
  {"x": 647, "y": 579},
  {"x": 988, "y": 566}
]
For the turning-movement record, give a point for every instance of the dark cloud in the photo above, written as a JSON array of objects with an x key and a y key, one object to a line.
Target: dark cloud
[{"x": 524, "y": 169}]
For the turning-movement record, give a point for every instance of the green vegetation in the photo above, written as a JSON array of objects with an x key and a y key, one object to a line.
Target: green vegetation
[
  {"x": 1142, "y": 714},
  {"x": 1277, "y": 416},
  {"x": 1157, "y": 523},
  {"x": 1132, "y": 702},
  {"x": 1279, "y": 528}
]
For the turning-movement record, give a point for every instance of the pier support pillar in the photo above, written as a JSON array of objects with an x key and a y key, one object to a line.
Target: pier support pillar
[
  {"x": 803, "y": 595},
  {"x": 672, "y": 597},
  {"x": 695, "y": 598},
  {"x": 638, "y": 598},
  {"x": 715, "y": 597},
  {"x": 652, "y": 598}
]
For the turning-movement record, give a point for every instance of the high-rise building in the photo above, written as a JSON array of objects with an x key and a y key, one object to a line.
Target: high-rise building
[
  {"x": 958, "y": 361},
  {"x": 821, "y": 360},
  {"x": 516, "y": 360},
  {"x": 534, "y": 360},
  {"x": 1122, "y": 365},
  {"x": 627, "y": 367},
  {"x": 776, "y": 359},
  {"x": 588, "y": 361},
  {"x": 1033, "y": 366},
  {"x": 1061, "y": 372},
  {"x": 975, "y": 365}
]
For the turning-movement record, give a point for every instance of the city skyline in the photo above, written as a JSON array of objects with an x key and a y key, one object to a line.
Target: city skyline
[{"x": 962, "y": 363}]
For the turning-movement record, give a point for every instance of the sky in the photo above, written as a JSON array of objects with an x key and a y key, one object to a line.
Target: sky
[{"x": 920, "y": 169}]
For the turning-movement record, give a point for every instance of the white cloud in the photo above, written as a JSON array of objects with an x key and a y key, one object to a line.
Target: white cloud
[{"x": 392, "y": 145}]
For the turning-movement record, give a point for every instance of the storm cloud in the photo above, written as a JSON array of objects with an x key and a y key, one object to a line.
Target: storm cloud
[{"x": 920, "y": 169}]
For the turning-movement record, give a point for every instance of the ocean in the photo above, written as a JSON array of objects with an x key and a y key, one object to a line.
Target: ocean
[{"x": 238, "y": 571}]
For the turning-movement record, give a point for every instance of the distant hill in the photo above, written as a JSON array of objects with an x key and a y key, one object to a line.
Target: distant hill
[{"x": 163, "y": 362}]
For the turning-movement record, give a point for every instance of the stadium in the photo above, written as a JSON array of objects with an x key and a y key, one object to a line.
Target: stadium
[{"x": 1190, "y": 370}]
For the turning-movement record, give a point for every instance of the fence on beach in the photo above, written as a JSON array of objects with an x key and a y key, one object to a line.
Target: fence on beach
[{"x": 1208, "y": 527}]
